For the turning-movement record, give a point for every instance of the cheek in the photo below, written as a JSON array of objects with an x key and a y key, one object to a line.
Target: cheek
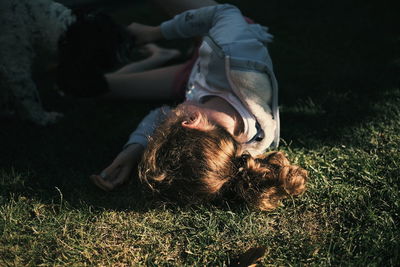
[{"x": 206, "y": 125}]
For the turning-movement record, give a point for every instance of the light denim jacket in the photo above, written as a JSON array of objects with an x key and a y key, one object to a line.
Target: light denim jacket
[{"x": 240, "y": 63}]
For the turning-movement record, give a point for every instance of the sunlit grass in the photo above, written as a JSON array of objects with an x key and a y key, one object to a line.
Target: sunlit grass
[{"x": 348, "y": 138}]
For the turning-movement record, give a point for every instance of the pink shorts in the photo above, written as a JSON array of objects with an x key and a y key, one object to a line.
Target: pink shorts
[{"x": 182, "y": 77}]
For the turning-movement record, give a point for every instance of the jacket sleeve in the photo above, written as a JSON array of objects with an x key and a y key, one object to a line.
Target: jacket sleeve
[
  {"x": 225, "y": 25},
  {"x": 147, "y": 126},
  {"x": 219, "y": 20}
]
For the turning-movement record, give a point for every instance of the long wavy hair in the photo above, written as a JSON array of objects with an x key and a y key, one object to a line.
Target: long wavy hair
[{"x": 192, "y": 166}]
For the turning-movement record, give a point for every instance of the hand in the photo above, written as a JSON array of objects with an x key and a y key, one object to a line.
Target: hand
[
  {"x": 120, "y": 169},
  {"x": 159, "y": 54},
  {"x": 144, "y": 34}
]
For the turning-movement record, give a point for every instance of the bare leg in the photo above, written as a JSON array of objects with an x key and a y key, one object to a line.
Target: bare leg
[
  {"x": 173, "y": 7},
  {"x": 157, "y": 57},
  {"x": 154, "y": 84}
]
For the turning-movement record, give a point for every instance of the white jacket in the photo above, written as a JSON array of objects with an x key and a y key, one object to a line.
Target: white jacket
[{"x": 239, "y": 63}]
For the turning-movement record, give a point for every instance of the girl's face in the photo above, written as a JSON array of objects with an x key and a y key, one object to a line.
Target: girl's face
[{"x": 200, "y": 117}]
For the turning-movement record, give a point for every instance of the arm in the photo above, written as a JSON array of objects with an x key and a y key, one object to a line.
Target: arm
[
  {"x": 147, "y": 126},
  {"x": 119, "y": 171},
  {"x": 222, "y": 22},
  {"x": 124, "y": 165},
  {"x": 157, "y": 56},
  {"x": 219, "y": 21}
]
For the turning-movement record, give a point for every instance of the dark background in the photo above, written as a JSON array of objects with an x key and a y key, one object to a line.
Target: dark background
[{"x": 333, "y": 60}]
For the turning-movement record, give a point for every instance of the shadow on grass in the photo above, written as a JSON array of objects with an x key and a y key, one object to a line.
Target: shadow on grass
[{"x": 333, "y": 62}]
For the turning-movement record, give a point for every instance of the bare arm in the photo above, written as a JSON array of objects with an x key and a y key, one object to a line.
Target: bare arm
[
  {"x": 124, "y": 165},
  {"x": 145, "y": 34},
  {"x": 157, "y": 56},
  {"x": 120, "y": 170}
]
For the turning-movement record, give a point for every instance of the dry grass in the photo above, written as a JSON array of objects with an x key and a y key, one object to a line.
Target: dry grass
[{"x": 340, "y": 120}]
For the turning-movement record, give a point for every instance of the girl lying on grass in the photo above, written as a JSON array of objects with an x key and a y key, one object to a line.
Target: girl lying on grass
[{"x": 213, "y": 145}]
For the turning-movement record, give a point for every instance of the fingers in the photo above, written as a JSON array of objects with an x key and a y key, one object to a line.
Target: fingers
[
  {"x": 110, "y": 172},
  {"x": 119, "y": 171},
  {"x": 122, "y": 176},
  {"x": 101, "y": 183},
  {"x": 112, "y": 177},
  {"x": 104, "y": 180},
  {"x": 144, "y": 33},
  {"x": 139, "y": 31},
  {"x": 148, "y": 49}
]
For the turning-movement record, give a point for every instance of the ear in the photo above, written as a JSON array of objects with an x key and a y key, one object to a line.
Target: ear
[{"x": 193, "y": 121}]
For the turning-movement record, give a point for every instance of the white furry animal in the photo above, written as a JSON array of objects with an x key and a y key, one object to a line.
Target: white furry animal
[{"x": 30, "y": 33}]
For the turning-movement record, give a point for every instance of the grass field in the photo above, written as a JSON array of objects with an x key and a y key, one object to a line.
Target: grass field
[{"x": 337, "y": 63}]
